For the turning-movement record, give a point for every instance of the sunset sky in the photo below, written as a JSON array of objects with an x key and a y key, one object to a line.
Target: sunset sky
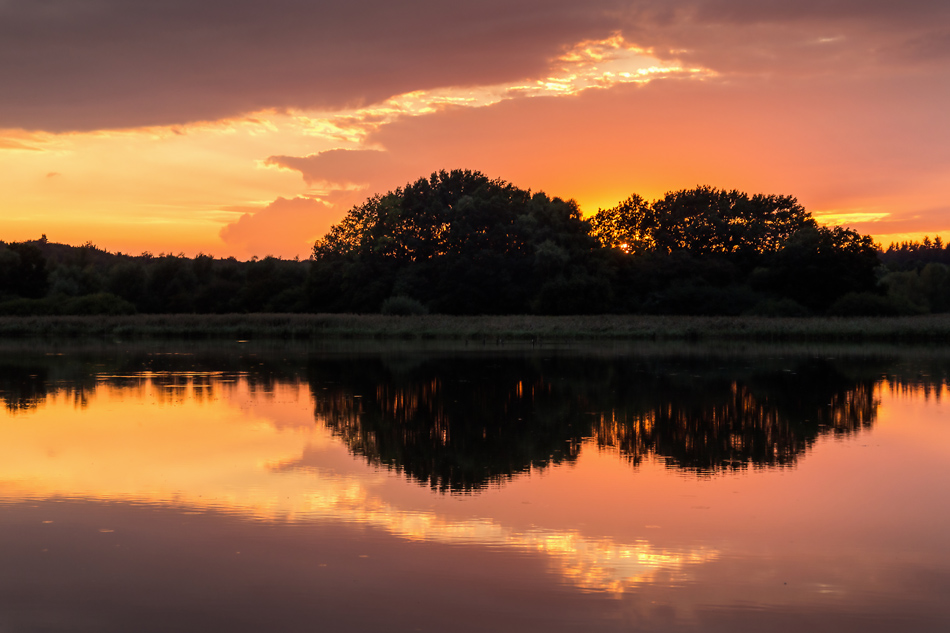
[{"x": 247, "y": 128}]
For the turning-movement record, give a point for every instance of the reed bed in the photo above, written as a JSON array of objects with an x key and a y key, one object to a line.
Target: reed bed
[{"x": 929, "y": 328}]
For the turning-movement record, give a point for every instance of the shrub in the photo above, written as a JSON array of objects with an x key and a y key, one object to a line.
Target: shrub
[
  {"x": 778, "y": 308},
  {"x": 99, "y": 303},
  {"x": 863, "y": 304},
  {"x": 401, "y": 305}
]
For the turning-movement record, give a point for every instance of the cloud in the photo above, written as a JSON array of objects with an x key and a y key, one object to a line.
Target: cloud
[
  {"x": 863, "y": 145},
  {"x": 68, "y": 65},
  {"x": 122, "y": 63},
  {"x": 284, "y": 228},
  {"x": 835, "y": 140},
  {"x": 336, "y": 168},
  {"x": 11, "y": 144},
  {"x": 775, "y": 37},
  {"x": 932, "y": 221}
]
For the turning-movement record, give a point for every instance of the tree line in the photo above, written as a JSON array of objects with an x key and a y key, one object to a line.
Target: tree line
[{"x": 461, "y": 243}]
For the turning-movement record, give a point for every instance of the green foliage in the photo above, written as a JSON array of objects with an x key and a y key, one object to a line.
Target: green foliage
[
  {"x": 923, "y": 291},
  {"x": 72, "y": 280},
  {"x": 402, "y": 305}
]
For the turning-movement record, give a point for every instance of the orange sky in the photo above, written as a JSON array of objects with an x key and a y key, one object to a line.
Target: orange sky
[{"x": 249, "y": 132}]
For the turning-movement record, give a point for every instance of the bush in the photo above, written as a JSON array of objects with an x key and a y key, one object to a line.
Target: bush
[
  {"x": 580, "y": 294},
  {"x": 401, "y": 305},
  {"x": 698, "y": 298},
  {"x": 28, "y": 307},
  {"x": 778, "y": 308},
  {"x": 99, "y": 303},
  {"x": 863, "y": 304}
]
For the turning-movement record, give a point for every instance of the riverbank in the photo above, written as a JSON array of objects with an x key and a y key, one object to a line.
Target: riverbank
[{"x": 929, "y": 328}]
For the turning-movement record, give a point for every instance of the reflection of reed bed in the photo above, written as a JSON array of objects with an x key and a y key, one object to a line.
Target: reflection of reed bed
[{"x": 930, "y": 328}]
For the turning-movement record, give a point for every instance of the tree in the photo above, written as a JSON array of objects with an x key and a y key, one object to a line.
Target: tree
[
  {"x": 702, "y": 221},
  {"x": 457, "y": 241},
  {"x": 625, "y": 226},
  {"x": 23, "y": 270},
  {"x": 817, "y": 265}
]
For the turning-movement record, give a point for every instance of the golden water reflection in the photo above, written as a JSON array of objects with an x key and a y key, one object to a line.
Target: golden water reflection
[{"x": 214, "y": 442}]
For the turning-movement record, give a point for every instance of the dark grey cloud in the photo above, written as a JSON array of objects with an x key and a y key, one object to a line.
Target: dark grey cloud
[
  {"x": 801, "y": 37},
  {"x": 87, "y": 64}
]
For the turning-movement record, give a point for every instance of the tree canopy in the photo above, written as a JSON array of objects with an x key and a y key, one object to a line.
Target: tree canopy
[
  {"x": 702, "y": 221},
  {"x": 458, "y": 242},
  {"x": 451, "y": 213}
]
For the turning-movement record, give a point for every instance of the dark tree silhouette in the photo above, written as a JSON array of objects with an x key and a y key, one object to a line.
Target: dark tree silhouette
[
  {"x": 458, "y": 242},
  {"x": 702, "y": 221},
  {"x": 23, "y": 270},
  {"x": 817, "y": 265}
]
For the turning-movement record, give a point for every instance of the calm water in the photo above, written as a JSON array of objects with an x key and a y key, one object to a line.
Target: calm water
[{"x": 251, "y": 488}]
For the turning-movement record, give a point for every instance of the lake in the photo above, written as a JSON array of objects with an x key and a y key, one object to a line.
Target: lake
[{"x": 423, "y": 487}]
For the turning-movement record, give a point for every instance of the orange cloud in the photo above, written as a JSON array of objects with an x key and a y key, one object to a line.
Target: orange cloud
[
  {"x": 336, "y": 168},
  {"x": 284, "y": 228}
]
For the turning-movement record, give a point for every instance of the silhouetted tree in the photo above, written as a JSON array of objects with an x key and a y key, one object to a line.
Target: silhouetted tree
[
  {"x": 702, "y": 221},
  {"x": 23, "y": 271},
  {"x": 817, "y": 265},
  {"x": 458, "y": 242}
]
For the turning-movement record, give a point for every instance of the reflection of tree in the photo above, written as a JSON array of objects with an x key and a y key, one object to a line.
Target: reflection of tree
[
  {"x": 767, "y": 419},
  {"x": 29, "y": 378},
  {"x": 460, "y": 424},
  {"x": 22, "y": 386},
  {"x": 455, "y": 424}
]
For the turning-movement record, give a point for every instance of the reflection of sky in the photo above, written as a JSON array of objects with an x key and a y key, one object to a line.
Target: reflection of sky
[
  {"x": 854, "y": 533},
  {"x": 212, "y": 443}
]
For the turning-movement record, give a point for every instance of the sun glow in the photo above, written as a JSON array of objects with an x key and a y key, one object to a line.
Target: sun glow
[{"x": 187, "y": 182}]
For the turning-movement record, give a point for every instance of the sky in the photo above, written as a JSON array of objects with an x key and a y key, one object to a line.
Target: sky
[{"x": 244, "y": 128}]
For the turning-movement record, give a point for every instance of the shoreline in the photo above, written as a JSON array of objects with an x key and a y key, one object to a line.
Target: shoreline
[{"x": 529, "y": 328}]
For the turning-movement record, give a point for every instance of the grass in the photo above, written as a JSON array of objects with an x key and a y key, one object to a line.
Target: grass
[{"x": 929, "y": 328}]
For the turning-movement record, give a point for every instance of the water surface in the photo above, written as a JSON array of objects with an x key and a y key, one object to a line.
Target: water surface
[{"x": 482, "y": 488}]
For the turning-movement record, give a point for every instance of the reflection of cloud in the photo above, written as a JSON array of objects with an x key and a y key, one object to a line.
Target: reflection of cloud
[
  {"x": 189, "y": 447},
  {"x": 595, "y": 564}
]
